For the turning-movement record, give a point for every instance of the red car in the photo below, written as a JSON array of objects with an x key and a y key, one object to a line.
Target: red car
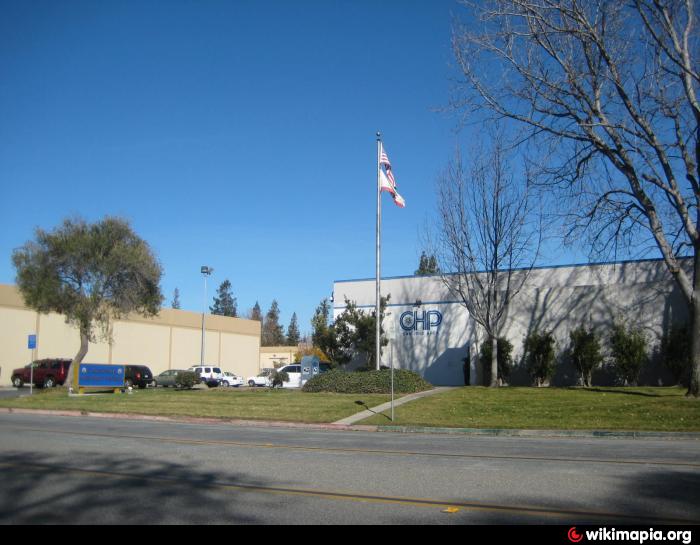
[{"x": 47, "y": 373}]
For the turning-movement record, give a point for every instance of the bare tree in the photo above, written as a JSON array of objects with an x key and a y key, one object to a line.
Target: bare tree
[
  {"x": 611, "y": 89},
  {"x": 485, "y": 238}
]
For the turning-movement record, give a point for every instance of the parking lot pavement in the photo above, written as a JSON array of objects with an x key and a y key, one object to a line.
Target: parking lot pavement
[
  {"x": 8, "y": 392},
  {"x": 109, "y": 471}
]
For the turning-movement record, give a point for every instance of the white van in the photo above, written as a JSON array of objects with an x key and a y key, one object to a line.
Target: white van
[{"x": 294, "y": 373}]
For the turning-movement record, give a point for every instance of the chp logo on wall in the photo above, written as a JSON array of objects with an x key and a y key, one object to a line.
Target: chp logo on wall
[{"x": 420, "y": 322}]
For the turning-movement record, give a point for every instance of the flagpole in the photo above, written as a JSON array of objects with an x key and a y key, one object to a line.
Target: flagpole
[{"x": 379, "y": 254}]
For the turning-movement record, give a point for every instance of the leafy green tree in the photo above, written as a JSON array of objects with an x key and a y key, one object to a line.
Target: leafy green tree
[
  {"x": 504, "y": 357},
  {"x": 293, "y": 335},
  {"x": 272, "y": 331},
  {"x": 323, "y": 336},
  {"x": 91, "y": 274},
  {"x": 176, "y": 299},
  {"x": 585, "y": 352},
  {"x": 428, "y": 265},
  {"x": 355, "y": 332},
  {"x": 225, "y": 304},
  {"x": 540, "y": 358},
  {"x": 628, "y": 347}
]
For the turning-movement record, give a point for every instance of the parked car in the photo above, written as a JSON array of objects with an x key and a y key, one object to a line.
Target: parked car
[
  {"x": 208, "y": 374},
  {"x": 137, "y": 375},
  {"x": 294, "y": 374},
  {"x": 47, "y": 373},
  {"x": 167, "y": 378},
  {"x": 231, "y": 380},
  {"x": 263, "y": 379}
]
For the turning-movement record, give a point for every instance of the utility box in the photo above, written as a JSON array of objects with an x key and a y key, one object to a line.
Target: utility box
[{"x": 310, "y": 367}]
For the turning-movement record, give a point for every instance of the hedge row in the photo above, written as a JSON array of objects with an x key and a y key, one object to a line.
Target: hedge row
[{"x": 367, "y": 382}]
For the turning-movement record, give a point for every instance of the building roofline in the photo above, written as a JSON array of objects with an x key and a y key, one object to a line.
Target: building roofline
[{"x": 540, "y": 268}]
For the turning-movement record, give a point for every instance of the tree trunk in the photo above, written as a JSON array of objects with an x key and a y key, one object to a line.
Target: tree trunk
[
  {"x": 694, "y": 389},
  {"x": 78, "y": 359},
  {"x": 494, "y": 362}
]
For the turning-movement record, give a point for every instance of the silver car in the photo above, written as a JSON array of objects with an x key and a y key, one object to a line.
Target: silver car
[{"x": 167, "y": 378}]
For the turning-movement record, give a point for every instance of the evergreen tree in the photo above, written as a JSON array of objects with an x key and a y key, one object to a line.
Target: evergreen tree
[
  {"x": 256, "y": 313},
  {"x": 293, "y": 335},
  {"x": 225, "y": 304},
  {"x": 428, "y": 265},
  {"x": 272, "y": 331},
  {"x": 176, "y": 299}
]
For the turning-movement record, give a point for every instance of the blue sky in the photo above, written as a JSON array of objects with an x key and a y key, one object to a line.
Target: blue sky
[{"x": 236, "y": 134}]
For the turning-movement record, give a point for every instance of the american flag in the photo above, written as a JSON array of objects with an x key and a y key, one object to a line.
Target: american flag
[{"x": 388, "y": 181}]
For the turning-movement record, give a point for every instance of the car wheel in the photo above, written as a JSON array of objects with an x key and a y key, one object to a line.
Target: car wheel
[
  {"x": 251, "y": 383},
  {"x": 49, "y": 382},
  {"x": 225, "y": 383},
  {"x": 17, "y": 382}
]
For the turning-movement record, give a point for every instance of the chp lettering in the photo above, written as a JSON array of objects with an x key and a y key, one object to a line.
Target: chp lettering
[{"x": 420, "y": 321}]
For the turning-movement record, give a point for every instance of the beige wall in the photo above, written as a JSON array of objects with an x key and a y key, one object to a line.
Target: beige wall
[
  {"x": 276, "y": 356},
  {"x": 171, "y": 340}
]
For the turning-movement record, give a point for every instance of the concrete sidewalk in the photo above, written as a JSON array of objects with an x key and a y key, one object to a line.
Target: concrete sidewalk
[{"x": 350, "y": 420}]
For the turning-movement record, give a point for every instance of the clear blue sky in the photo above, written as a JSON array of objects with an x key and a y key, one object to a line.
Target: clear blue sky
[{"x": 236, "y": 134}]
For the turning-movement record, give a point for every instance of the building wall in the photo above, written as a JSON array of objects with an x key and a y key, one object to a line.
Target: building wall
[
  {"x": 556, "y": 299},
  {"x": 276, "y": 356},
  {"x": 171, "y": 340}
]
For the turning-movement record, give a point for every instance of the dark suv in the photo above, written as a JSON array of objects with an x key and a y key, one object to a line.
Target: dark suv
[
  {"x": 137, "y": 375},
  {"x": 47, "y": 373}
]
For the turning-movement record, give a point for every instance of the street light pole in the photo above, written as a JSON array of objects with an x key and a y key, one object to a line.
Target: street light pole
[{"x": 206, "y": 271}]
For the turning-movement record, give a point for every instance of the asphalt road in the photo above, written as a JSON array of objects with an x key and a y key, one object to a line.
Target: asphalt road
[{"x": 95, "y": 471}]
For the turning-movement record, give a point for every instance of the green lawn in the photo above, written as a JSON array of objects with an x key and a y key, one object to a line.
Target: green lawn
[
  {"x": 633, "y": 409},
  {"x": 258, "y": 404}
]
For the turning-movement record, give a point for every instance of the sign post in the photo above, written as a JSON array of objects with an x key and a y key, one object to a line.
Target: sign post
[{"x": 31, "y": 345}]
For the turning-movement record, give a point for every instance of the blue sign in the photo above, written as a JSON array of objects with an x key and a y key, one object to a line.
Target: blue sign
[
  {"x": 100, "y": 376},
  {"x": 31, "y": 342}
]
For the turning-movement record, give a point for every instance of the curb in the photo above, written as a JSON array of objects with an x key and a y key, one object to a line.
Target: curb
[
  {"x": 190, "y": 420},
  {"x": 561, "y": 434},
  {"x": 466, "y": 432}
]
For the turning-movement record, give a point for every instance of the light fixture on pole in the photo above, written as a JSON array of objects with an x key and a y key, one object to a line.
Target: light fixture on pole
[{"x": 206, "y": 271}]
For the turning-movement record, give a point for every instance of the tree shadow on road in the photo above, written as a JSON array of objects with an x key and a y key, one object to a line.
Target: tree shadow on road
[{"x": 107, "y": 489}]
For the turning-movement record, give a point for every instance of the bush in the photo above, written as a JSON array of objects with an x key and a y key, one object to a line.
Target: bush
[
  {"x": 585, "y": 352},
  {"x": 540, "y": 357},
  {"x": 628, "y": 348},
  {"x": 186, "y": 379},
  {"x": 278, "y": 378},
  {"x": 504, "y": 357},
  {"x": 675, "y": 351},
  {"x": 368, "y": 382}
]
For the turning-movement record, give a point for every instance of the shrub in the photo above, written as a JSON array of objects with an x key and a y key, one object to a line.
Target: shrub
[
  {"x": 278, "y": 378},
  {"x": 628, "y": 348},
  {"x": 586, "y": 352},
  {"x": 675, "y": 351},
  {"x": 186, "y": 379},
  {"x": 368, "y": 382},
  {"x": 504, "y": 357},
  {"x": 539, "y": 356}
]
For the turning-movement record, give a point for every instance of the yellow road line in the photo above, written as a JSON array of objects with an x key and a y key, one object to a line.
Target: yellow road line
[
  {"x": 442, "y": 505},
  {"x": 242, "y": 444}
]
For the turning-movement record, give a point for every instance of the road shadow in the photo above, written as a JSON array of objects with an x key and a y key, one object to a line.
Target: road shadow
[{"x": 108, "y": 489}]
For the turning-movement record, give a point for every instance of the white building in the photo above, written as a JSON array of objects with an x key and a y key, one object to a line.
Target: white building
[{"x": 431, "y": 332}]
